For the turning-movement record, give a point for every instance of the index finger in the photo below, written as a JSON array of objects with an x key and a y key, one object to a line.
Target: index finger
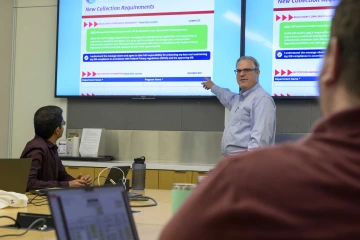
[{"x": 207, "y": 79}]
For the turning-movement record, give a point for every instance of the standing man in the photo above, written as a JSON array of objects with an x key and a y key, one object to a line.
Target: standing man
[
  {"x": 47, "y": 170},
  {"x": 252, "y": 120}
]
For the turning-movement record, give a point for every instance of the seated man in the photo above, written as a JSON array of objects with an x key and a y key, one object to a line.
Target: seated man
[{"x": 47, "y": 170}]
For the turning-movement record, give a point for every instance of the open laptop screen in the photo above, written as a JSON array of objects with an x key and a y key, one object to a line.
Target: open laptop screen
[
  {"x": 116, "y": 175},
  {"x": 14, "y": 175},
  {"x": 92, "y": 213}
]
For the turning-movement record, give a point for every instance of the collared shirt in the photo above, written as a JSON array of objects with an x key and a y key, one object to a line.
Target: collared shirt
[
  {"x": 303, "y": 190},
  {"x": 47, "y": 169},
  {"x": 252, "y": 119}
]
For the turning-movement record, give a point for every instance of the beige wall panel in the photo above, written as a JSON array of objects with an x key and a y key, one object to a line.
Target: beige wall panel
[
  {"x": 34, "y": 81},
  {"x": 6, "y": 29},
  {"x": 34, "y": 3}
]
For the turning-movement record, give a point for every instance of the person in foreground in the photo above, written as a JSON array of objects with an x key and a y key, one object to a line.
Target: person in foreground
[
  {"x": 304, "y": 190},
  {"x": 47, "y": 170},
  {"x": 252, "y": 118}
]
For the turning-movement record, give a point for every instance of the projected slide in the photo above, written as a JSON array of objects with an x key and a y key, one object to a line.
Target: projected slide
[
  {"x": 297, "y": 42},
  {"x": 143, "y": 48},
  {"x": 161, "y": 45},
  {"x": 300, "y": 38}
]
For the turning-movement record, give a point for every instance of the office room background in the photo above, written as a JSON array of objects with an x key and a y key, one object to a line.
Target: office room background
[{"x": 174, "y": 130}]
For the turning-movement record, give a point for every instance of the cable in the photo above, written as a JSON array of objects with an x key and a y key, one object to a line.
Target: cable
[
  {"x": 30, "y": 227},
  {"x": 39, "y": 202},
  {"x": 43, "y": 199},
  {"x": 123, "y": 180},
  {"x": 16, "y": 222},
  {"x": 143, "y": 198},
  {"x": 29, "y": 202},
  {"x": 97, "y": 178}
]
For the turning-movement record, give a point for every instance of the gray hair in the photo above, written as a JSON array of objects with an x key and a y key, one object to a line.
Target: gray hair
[{"x": 255, "y": 62}]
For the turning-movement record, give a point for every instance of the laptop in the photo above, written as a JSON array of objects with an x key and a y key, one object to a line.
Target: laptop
[
  {"x": 92, "y": 213},
  {"x": 14, "y": 174},
  {"x": 116, "y": 175}
]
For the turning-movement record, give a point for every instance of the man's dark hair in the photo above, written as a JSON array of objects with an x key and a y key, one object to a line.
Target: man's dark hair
[
  {"x": 46, "y": 120},
  {"x": 346, "y": 27}
]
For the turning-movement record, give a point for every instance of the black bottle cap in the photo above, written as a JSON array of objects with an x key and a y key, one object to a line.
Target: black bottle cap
[{"x": 140, "y": 160}]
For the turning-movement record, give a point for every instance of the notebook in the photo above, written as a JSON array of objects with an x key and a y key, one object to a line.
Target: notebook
[{"x": 92, "y": 213}]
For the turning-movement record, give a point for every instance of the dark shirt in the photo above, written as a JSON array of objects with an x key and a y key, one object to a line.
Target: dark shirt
[
  {"x": 47, "y": 170},
  {"x": 304, "y": 190}
]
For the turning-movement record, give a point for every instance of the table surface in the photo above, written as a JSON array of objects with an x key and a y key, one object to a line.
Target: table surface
[{"x": 149, "y": 221}]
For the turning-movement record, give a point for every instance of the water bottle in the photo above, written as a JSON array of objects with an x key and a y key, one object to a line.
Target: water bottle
[{"x": 138, "y": 174}]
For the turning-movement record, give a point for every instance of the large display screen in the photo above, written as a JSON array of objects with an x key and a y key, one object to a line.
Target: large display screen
[
  {"x": 289, "y": 39},
  {"x": 146, "y": 48}
]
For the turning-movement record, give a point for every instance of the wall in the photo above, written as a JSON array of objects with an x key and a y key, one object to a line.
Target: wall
[
  {"x": 34, "y": 63},
  {"x": 6, "y": 29},
  {"x": 139, "y": 128},
  {"x": 296, "y": 116},
  {"x": 158, "y": 114},
  {"x": 293, "y": 116}
]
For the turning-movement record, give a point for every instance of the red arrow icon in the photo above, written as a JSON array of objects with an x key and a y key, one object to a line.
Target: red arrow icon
[
  {"x": 289, "y": 72},
  {"x": 90, "y": 24},
  {"x": 95, "y": 24},
  {"x": 282, "y": 72},
  {"x": 275, "y": 95},
  {"x": 276, "y": 72},
  {"x": 290, "y": 17},
  {"x": 92, "y": 94},
  {"x": 277, "y": 18},
  {"x": 283, "y": 17},
  {"x": 85, "y": 24},
  {"x": 83, "y": 74},
  {"x": 88, "y": 74},
  {"x": 93, "y": 74},
  {"x": 282, "y": 95},
  {"x": 288, "y": 95},
  {"x": 82, "y": 94},
  {"x": 87, "y": 94}
]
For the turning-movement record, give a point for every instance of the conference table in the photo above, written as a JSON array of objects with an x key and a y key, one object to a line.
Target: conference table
[{"x": 149, "y": 221}]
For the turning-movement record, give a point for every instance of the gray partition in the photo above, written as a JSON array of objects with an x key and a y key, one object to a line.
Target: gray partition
[
  {"x": 296, "y": 116},
  {"x": 175, "y": 130},
  {"x": 293, "y": 116},
  {"x": 155, "y": 114}
]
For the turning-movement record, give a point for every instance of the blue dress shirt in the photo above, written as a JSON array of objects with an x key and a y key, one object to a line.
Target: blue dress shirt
[{"x": 252, "y": 119}]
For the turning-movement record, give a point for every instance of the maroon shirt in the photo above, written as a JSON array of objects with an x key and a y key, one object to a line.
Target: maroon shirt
[
  {"x": 47, "y": 169},
  {"x": 304, "y": 190}
]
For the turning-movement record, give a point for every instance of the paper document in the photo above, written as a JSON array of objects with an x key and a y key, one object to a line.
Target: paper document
[{"x": 90, "y": 141}]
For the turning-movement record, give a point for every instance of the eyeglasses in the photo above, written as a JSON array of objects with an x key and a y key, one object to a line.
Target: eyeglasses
[
  {"x": 246, "y": 70},
  {"x": 63, "y": 123}
]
